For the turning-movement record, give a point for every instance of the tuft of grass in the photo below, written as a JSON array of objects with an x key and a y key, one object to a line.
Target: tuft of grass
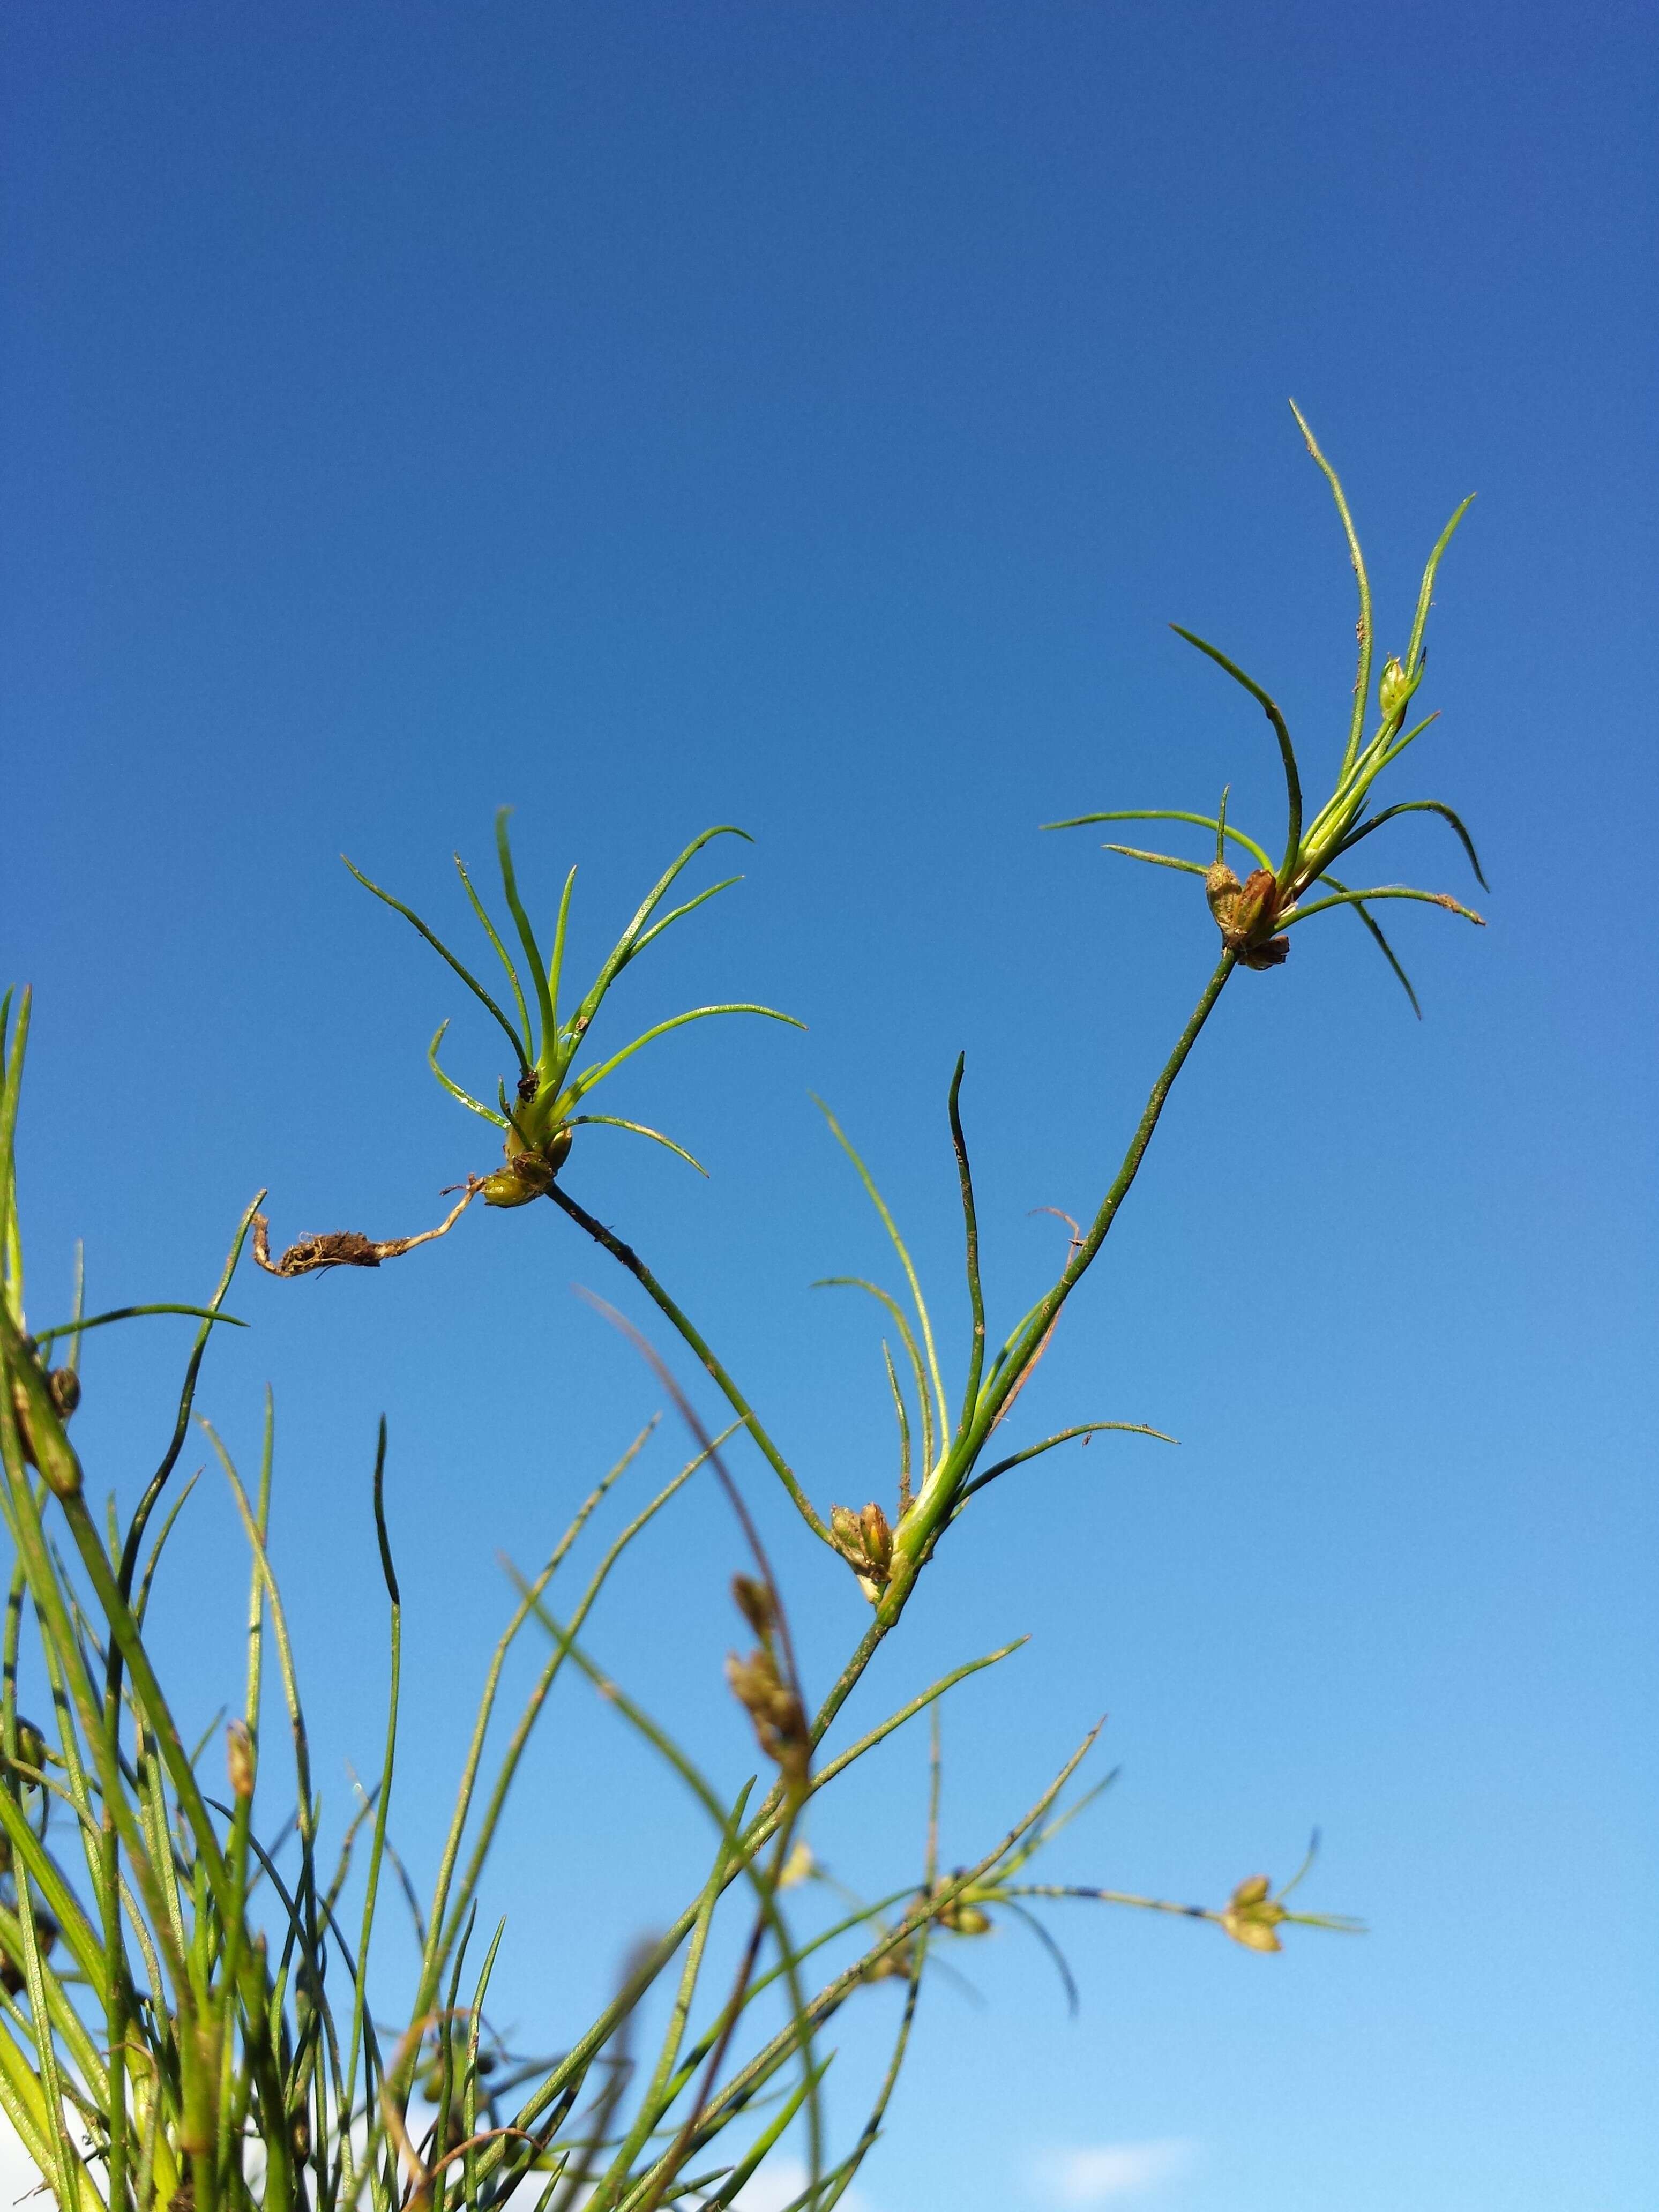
[{"x": 193, "y": 2010}]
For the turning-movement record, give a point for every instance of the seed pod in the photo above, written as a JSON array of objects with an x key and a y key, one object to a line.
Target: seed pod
[
  {"x": 31, "y": 1747},
  {"x": 754, "y": 1603},
  {"x": 780, "y": 1725},
  {"x": 238, "y": 1758},
  {"x": 64, "y": 1384},
  {"x": 507, "y": 1187},
  {"x": 1252, "y": 1917},
  {"x": 1393, "y": 689},
  {"x": 894, "y": 1965},
  {"x": 1245, "y": 914},
  {"x": 965, "y": 1920},
  {"x": 844, "y": 1524},
  {"x": 528, "y": 1175},
  {"x": 1221, "y": 889},
  {"x": 878, "y": 1538},
  {"x": 1273, "y": 954}
]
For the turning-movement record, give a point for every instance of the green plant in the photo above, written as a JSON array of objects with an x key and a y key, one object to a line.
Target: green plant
[{"x": 169, "y": 2034}]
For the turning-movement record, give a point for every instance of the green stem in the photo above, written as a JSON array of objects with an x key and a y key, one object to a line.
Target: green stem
[
  {"x": 917, "y": 1531},
  {"x": 689, "y": 1333}
]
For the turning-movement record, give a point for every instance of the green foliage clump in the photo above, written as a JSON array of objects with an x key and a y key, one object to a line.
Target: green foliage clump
[{"x": 170, "y": 2031}]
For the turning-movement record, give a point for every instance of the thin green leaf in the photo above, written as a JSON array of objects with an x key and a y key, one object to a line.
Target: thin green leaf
[
  {"x": 11, "y": 1239},
  {"x": 527, "y": 935},
  {"x": 628, "y": 943},
  {"x": 462, "y": 1097},
  {"x": 1417, "y": 806},
  {"x": 1065, "y": 1436},
  {"x": 1286, "y": 750},
  {"x": 910, "y": 1276},
  {"x": 615, "y": 1122},
  {"x": 976, "y": 1290},
  {"x": 586, "y": 1081},
  {"x": 490, "y": 930},
  {"x": 1165, "y": 814},
  {"x": 555, "y": 965},
  {"x": 1383, "y": 946},
  {"x": 886, "y": 1299},
  {"x": 1426, "y": 594},
  {"x": 520, "y": 1046},
  {"x": 679, "y": 913},
  {"x": 827, "y": 1773},
  {"x": 354, "y": 2047},
  {"x": 133, "y": 1313},
  {"x": 1362, "y": 687},
  {"x": 768, "y": 2140},
  {"x": 1158, "y": 860},
  {"x": 1381, "y": 891},
  {"x": 902, "y": 1414}
]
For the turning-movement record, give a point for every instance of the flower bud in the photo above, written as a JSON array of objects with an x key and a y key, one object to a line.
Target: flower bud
[
  {"x": 31, "y": 1747},
  {"x": 965, "y": 1920},
  {"x": 878, "y": 1538},
  {"x": 844, "y": 1525},
  {"x": 800, "y": 1865},
  {"x": 239, "y": 1759},
  {"x": 1394, "y": 689},
  {"x": 1252, "y": 1917}
]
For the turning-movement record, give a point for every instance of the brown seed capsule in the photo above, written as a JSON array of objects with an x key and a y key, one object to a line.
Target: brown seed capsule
[
  {"x": 64, "y": 1384},
  {"x": 1273, "y": 954},
  {"x": 780, "y": 1725},
  {"x": 1245, "y": 914},
  {"x": 1221, "y": 888},
  {"x": 754, "y": 1603}
]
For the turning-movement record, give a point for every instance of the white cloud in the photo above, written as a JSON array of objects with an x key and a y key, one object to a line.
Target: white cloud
[
  {"x": 781, "y": 2181},
  {"x": 1098, "y": 2173}
]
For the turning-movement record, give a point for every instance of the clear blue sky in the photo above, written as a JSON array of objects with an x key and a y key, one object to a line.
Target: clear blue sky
[{"x": 811, "y": 417}]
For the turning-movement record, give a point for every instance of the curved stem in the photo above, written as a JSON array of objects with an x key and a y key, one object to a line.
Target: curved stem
[
  {"x": 691, "y": 1336},
  {"x": 917, "y": 1532}
]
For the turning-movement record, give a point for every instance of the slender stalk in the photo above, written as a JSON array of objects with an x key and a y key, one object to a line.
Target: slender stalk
[
  {"x": 692, "y": 1337},
  {"x": 917, "y": 1532}
]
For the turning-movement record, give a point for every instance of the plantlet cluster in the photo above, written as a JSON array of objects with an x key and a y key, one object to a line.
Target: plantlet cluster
[{"x": 191, "y": 2016}]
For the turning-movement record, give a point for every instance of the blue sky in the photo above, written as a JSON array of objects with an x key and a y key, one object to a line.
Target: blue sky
[{"x": 812, "y": 418}]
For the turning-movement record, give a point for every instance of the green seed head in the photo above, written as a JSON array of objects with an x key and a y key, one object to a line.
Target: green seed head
[
  {"x": 1252, "y": 1917},
  {"x": 1394, "y": 689}
]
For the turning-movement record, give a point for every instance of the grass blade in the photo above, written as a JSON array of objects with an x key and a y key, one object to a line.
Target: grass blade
[
  {"x": 1286, "y": 750},
  {"x": 1362, "y": 687},
  {"x": 920, "y": 1303},
  {"x": 521, "y": 1046},
  {"x": 1165, "y": 814},
  {"x": 462, "y": 1097}
]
